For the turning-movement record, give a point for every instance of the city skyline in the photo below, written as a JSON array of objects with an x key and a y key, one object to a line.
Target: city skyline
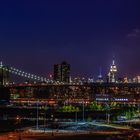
[
  {"x": 34, "y": 36},
  {"x": 62, "y": 73},
  {"x": 100, "y": 74}
]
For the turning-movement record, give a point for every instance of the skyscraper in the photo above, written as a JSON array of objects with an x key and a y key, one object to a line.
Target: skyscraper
[
  {"x": 62, "y": 72},
  {"x": 112, "y": 72}
]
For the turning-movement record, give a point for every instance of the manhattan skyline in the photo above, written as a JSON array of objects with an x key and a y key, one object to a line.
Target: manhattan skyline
[{"x": 36, "y": 35}]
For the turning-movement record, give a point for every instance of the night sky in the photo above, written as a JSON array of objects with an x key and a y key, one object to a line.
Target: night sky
[{"x": 35, "y": 35}]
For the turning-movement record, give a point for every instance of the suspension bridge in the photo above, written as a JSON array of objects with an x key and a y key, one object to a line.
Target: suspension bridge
[{"x": 21, "y": 73}]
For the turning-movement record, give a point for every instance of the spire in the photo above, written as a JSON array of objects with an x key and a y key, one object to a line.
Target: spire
[
  {"x": 100, "y": 73},
  {"x": 113, "y": 62}
]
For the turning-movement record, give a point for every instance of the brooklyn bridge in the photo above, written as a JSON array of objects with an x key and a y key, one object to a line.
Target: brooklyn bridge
[{"x": 52, "y": 92}]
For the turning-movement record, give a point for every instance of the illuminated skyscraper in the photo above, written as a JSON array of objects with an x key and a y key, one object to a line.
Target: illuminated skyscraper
[
  {"x": 62, "y": 72},
  {"x": 112, "y": 72}
]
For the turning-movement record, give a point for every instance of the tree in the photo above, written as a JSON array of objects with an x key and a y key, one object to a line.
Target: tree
[
  {"x": 95, "y": 106},
  {"x": 69, "y": 108}
]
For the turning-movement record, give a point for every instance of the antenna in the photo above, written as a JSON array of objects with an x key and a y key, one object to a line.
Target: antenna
[
  {"x": 113, "y": 62},
  {"x": 100, "y": 72}
]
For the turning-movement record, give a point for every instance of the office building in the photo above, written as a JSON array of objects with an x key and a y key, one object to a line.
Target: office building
[
  {"x": 112, "y": 72},
  {"x": 62, "y": 72}
]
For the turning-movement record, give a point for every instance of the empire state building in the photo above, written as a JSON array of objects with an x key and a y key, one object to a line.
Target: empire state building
[{"x": 112, "y": 73}]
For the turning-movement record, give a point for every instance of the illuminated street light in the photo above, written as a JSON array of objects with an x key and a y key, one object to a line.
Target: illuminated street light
[{"x": 37, "y": 114}]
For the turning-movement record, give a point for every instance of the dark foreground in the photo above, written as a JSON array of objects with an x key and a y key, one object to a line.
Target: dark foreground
[{"x": 76, "y": 137}]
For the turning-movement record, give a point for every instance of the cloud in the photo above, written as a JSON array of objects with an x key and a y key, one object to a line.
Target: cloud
[{"x": 134, "y": 33}]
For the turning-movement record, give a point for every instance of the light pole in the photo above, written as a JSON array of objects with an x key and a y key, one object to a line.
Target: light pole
[
  {"x": 107, "y": 113},
  {"x": 108, "y": 118},
  {"x": 19, "y": 121},
  {"x": 45, "y": 117},
  {"x": 76, "y": 116},
  {"x": 52, "y": 117},
  {"x": 83, "y": 112},
  {"x": 37, "y": 114},
  {"x": 76, "y": 113}
]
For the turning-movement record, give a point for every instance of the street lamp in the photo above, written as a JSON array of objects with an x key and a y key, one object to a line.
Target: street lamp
[
  {"x": 52, "y": 117},
  {"x": 76, "y": 116},
  {"x": 107, "y": 113},
  {"x": 83, "y": 112},
  {"x": 18, "y": 119},
  {"x": 76, "y": 113},
  {"x": 45, "y": 117},
  {"x": 37, "y": 114}
]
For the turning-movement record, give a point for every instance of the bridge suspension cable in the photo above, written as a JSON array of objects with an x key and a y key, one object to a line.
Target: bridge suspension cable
[{"x": 24, "y": 74}]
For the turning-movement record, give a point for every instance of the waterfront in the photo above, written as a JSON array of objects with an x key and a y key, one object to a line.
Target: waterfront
[
  {"x": 72, "y": 130},
  {"x": 49, "y": 128}
]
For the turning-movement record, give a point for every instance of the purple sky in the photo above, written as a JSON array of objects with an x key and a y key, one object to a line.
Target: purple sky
[{"x": 34, "y": 35}]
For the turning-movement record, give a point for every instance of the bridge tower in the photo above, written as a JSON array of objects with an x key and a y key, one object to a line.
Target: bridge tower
[{"x": 4, "y": 75}]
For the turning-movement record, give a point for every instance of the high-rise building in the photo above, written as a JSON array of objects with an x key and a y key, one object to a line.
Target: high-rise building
[
  {"x": 112, "y": 73},
  {"x": 136, "y": 79},
  {"x": 62, "y": 72}
]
